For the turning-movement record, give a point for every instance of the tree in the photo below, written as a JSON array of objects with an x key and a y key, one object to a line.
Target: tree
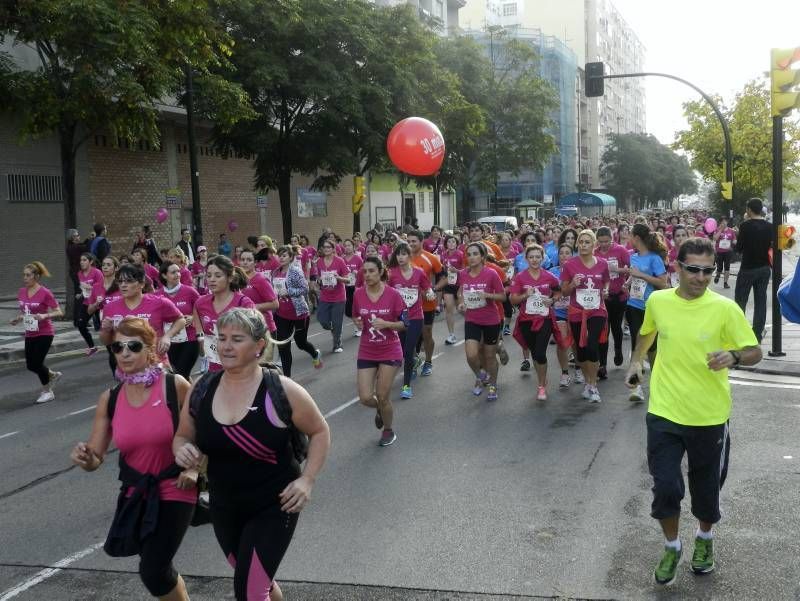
[
  {"x": 751, "y": 140},
  {"x": 640, "y": 171}
]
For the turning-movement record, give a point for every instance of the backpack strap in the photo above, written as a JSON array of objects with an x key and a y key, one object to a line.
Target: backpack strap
[
  {"x": 278, "y": 395},
  {"x": 113, "y": 393},
  {"x": 200, "y": 390}
]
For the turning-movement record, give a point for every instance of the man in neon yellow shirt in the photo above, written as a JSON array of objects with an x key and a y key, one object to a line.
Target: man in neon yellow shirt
[{"x": 701, "y": 334}]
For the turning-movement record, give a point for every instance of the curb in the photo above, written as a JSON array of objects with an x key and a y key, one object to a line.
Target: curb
[
  {"x": 771, "y": 371},
  {"x": 58, "y": 350}
]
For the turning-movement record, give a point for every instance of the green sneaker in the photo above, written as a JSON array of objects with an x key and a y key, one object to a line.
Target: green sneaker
[
  {"x": 667, "y": 568},
  {"x": 703, "y": 556}
]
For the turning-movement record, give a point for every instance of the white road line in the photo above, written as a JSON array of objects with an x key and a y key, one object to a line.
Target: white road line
[
  {"x": 764, "y": 384},
  {"x": 333, "y": 412},
  {"x": 81, "y": 410},
  {"x": 47, "y": 573},
  {"x": 9, "y": 434}
]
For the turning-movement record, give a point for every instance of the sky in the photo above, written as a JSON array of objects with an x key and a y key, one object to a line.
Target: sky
[{"x": 717, "y": 45}]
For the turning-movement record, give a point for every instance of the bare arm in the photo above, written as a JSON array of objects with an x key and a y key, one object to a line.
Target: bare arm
[
  {"x": 89, "y": 455},
  {"x": 187, "y": 455}
]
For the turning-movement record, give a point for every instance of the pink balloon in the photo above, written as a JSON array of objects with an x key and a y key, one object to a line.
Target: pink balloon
[
  {"x": 162, "y": 215},
  {"x": 232, "y": 226},
  {"x": 710, "y": 226}
]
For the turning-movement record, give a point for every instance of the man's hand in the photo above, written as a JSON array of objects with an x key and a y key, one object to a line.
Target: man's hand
[
  {"x": 720, "y": 360},
  {"x": 634, "y": 376}
]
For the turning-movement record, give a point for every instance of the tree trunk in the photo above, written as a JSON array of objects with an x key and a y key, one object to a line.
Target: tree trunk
[
  {"x": 285, "y": 196},
  {"x": 436, "y": 217},
  {"x": 66, "y": 147}
]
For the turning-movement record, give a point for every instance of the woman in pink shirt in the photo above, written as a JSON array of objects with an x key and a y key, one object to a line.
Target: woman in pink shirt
[
  {"x": 198, "y": 270},
  {"x": 619, "y": 262},
  {"x": 453, "y": 262},
  {"x": 354, "y": 262},
  {"x": 177, "y": 256},
  {"x": 380, "y": 312},
  {"x": 260, "y": 291},
  {"x": 88, "y": 276},
  {"x": 225, "y": 281},
  {"x": 140, "y": 416},
  {"x": 184, "y": 349},
  {"x": 585, "y": 279},
  {"x": 37, "y": 306},
  {"x": 434, "y": 243},
  {"x": 724, "y": 242},
  {"x": 332, "y": 275},
  {"x": 139, "y": 256},
  {"x": 679, "y": 235},
  {"x": 103, "y": 293},
  {"x": 479, "y": 289}
]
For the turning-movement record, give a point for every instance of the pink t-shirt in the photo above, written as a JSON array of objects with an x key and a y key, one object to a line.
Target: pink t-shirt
[
  {"x": 334, "y": 293},
  {"x": 379, "y": 345},
  {"x": 354, "y": 265},
  {"x": 101, "y": 296},
  {"x": 199, "y": 277},
  {"x": 204, "y": 307},
  {"x": 546, "y": 283},
  {"x": 730, "y": 239},
  {"x": 453, "y": 258},
  {"x": 486, "y": 281},
  {"x": 156, "y": 309},
  {"x": 144, "y": 436},
  {"x": 152, "y": 273},
  {"x": 87, "y": 282},
  {"x": 41, "y": 302},
  {"x": 184, "y": 299},
  {"x": 268, "y": 265},
  {"x": 616, "y": 255},
  {"x": 412, "y": 290},
  {"x": 433, "y": 246},
  {"x": 186, "y": 277},
  {"x": 590, "y": 290},
  {"x": 259, "y": 290}
]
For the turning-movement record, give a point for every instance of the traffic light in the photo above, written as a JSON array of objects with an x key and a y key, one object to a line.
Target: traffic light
[
  {"x": 785, "y": 94},
  {"x": 785, "y": 236},
  {"x": 594, "y": 82},
  {"x": 358, "y": 193},
  {"x": 726, "y": 189}
]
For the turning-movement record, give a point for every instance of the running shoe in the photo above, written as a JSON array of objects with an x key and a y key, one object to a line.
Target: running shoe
[
  {"x": 492, "y": 396},
  {"x": 525, "y": 365},
  {"x": 45, "y": 397},
  {"x": 587, "y": 392},
  {"x": 357, "y": 333},
  {"x": 91, "y": 351},
  {"x": 502, "y": 353},
  {"x": 726, "y": 285},
  {"x": 541, "y": 394},
  {"x": 594, "y": 395},
  {"x": 646, "y": 365},
  {"x": 484, "y": 377},
  {"x": 716, "y": 279},
  {"x": 507, "y": 330},
  {"x": 338, "y": 349},
  {"x": 703, "y": 556},
  {"x": 450, "y": 340},
  {"x": 571, "y": 359},
  {"x": 579, "y": 379},
  {"x": 564, "y": 381},
  {"x": 637, "y": 396},
  {"x": 406, "y": 392},
  {"x": 618, "y": 359},
  {"x": 667, "y": 568},
  {"x": 477, "y": 390},
  {"x": 626, "y": 330},
  {"x": 387, "y": 438},
  {"x": 378, "y": 420},
  {"x": 417, "y": 363},
  {"x": 602, "y": 373},
  {"x": 55, "y": 376},
  {"x": 427, "y": 369},
  {"x": 317, "y": 360}
]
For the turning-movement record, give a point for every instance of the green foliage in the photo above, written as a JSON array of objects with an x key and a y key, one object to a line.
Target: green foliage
[
  {"x": 751, "y": 140},
  {"x": 639, "y": 171}
]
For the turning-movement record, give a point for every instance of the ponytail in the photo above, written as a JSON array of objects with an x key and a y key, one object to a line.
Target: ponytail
[
  {"x": 38, "y": 268},
  {"x": 238, "y": 280}
]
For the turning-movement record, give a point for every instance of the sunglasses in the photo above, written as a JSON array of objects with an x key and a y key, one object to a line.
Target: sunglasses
[
  {"x": 126, "y": 281},
  {"x": 134, "y": 346},
  {"x": 698, "y": 268}
]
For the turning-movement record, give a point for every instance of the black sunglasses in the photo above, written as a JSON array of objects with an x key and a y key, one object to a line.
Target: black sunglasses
[
  {"x": 698, "y": 268},
  {"x": 134, "y": 346}
]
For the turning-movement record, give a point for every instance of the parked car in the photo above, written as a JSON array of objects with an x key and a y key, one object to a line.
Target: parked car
[{"x": 500, "y": 222}]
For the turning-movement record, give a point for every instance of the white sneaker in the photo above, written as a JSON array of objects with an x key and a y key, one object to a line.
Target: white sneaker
[
  {"x": 338, "y": 349},
  {"x": 357, "y": 333},
  {"x": 564, "y": 381},
  {"x": 45, "y": 397},
  {"x": 587, "y": 392},
  {"x": 637, "y": 396},
  {"x": 451, "y": 339},
  {"x": 55, "y": 376},
  {"x": 594, "y": 396},
  {"x": 579, "y": 379}
]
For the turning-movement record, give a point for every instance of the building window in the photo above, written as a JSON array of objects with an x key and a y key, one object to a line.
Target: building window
[
  {"x": 438, "y": 9},
  {"x": 421, "y": 202},
  {"x": 510, "y": 9},
  {"x": 33, "y": 188}
]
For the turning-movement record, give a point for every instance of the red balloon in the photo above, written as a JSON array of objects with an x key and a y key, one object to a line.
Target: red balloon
[
  {"x": 162, "y": 215},
  {"x": 416, "y": 146}
]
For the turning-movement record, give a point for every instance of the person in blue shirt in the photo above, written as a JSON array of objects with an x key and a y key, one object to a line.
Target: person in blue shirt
[{"x": 647, "y": 273}]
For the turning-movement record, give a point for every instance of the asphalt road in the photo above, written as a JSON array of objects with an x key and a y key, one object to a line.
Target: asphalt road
[{"x": 516, "y": 499}]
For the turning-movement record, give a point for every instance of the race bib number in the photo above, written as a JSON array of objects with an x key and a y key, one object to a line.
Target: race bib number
[
  {"x": 452, "y": 277},
  {"x": 474, "y": 299},
  {"x": 534, "y": 305},
  {"x": 86, "y": 289},
  {"x": 328, "y": 279},
  {"x": 30, "y": 323},
  {"x": 410, "y": 296},
  {"x": 280, "y": 286},
  {"x": 211, "y": 349},
  {"x": 613, "y": 265},
  {"x": 674, "y": 279},
  {"x": 638, "y": 288},
  {"x": 181, "y": 336},
  {"x": 351, "y": 278},
  {"x": 588, "y": 298},
  {"x": 724, "y": 244}
]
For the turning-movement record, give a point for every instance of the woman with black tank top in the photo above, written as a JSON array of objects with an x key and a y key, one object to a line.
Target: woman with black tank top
[{"x": 256, "y": 484}]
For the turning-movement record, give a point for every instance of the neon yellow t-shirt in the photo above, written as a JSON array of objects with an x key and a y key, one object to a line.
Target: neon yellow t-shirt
[{"x": 682, "y": 387}]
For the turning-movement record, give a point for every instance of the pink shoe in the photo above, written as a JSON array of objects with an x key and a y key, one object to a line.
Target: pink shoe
[
  {"x": 541, "y": 394},
  {"x": 91, "y": 351}
]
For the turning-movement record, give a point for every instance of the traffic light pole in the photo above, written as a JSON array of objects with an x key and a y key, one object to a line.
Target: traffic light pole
[
  {"x": 197, "y": 217},
  {"x": 777, "y": 253}
]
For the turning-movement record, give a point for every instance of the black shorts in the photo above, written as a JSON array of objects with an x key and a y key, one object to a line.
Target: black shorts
[
  {"x": 485, "y": 334},
  {"x": 448, "y": 289},
  {"x": 428, "y": 317},
  {"x": 371, "y": 364}
]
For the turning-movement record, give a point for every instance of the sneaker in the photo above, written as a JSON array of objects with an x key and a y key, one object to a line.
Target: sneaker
[
  {"x": 357, "y": 333},
  {"x": 45, "y": 397},
  {"x": 477, "y": 390},
  {"x": 645, "y": 365},
  {"x": 667, "y": 568},
  {"x": 91, "y": 351},
  {"x": 571, "y": 359},
  {"x": 525, "y": 365},
  {"x": 703, "y": 556},
  {"x": 427, "y": 369},
  {"x": 417, "y": 363},
  {"x": 579, "y": 379},
  {"x": 637, "y": 396},
  {"x": 626, "y": 330},
  {"x": 317, "y": 360},
  {"x": 587, "y": 392},
  {"x": 602, "y": 373},
  {"x": 594, "y": 395},
  {"x": 387, "y": 438},
  {"x": 618, "y": 359},
  {"x": 55, "y": 376},
  {"x": 378, "y": 420},
  {"x": 507, "y": 330},
  {"x": 564, "y": 381},
  {"x": 726, "y": 285},
  {"x": 492, "y": 396},
  {"x": 502, "y": 353},
  {"x": 450, "y": 340},
  {"x": 484, "y": 378},
  {"x": 541, "y": 394},
  {"x": 406, "y": 392},
  {"x": 338, "y": 349}
]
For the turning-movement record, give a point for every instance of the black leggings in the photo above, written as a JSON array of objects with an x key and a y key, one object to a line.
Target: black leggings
[
  {"x": 348, "y": 304},
  {"x": 254, "y": 543},
  {"x": 408, "y": 339},
  {"x": 537, "y": 341},
  {"x": 182, "y": 357},
  {"x": 83, "y": 323},
  {"x": 635, "y": 319},
  {"x": 285, "y": 329},
  {"x": 158, "y": 549},
  {"x": 508, "y": 310},
  {"x": 590, "y": 352},
  {"x": 616, "y": 313},
  {"x": 36, "y": 349},
  {"x": 723, "y": 261}
]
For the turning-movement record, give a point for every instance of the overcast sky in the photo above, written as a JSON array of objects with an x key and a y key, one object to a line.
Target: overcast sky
[{"x": 717, "y": 45}]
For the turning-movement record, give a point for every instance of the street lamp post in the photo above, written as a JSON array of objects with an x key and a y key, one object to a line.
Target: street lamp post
[{"x": 197, "y": 220}]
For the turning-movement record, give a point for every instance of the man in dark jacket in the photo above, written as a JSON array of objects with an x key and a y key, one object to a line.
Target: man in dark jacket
[
  {"x": 185, "y": 244},
  {"x": 753, "y": 242},
  {"x": 100, "y": 246}
]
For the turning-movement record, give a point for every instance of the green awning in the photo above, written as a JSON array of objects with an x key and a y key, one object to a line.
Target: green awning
[{"x": 528, "y": 204}]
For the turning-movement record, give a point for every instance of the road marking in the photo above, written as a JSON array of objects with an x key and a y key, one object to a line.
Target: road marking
[
  {"x": 764, "y": 384},
  {"x": 48, "y": 572},
  {"x": 81, "y": 410},
  {"x": 788, "y": 457},
  {"x": 333, "y": 412},
  {"x": 9, "y": 434}
]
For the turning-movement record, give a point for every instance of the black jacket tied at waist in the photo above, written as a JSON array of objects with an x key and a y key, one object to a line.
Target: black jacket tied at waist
[{"x": 137, "y": 515}]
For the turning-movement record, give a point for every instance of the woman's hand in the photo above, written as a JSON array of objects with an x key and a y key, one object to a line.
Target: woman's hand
[
  {"x": 635, "y": 273},
  {"x": 187, "y": 479},
  {"x": 295, "y": 496},
  {"x": 576, "y": 280},
  {"x": 380, "y": 324},
  {"x": 163, "y": 344},
  {"x": 84, "y": 457},
  {"x": 188, "y": 457},
  {"x": 16, "y": 320}
]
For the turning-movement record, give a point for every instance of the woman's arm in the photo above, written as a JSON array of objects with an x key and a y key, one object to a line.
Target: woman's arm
[
  {"x": 89, "y": 455},
  {"x": 187, "y": 455}
]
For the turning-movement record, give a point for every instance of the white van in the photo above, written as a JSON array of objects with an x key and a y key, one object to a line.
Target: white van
[{"x": 500, "y": 222}]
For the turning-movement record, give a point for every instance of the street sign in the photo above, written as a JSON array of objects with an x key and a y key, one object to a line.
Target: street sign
[
  {"x": 261, "y": 201},
  {"x": 172, "y": 199}
]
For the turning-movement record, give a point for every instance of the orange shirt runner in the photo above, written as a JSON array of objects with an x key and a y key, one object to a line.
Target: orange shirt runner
[{"x": 431, "y": 265}]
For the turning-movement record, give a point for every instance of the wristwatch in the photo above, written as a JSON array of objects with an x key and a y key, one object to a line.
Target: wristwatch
[{"x": 737, "y": 357}]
